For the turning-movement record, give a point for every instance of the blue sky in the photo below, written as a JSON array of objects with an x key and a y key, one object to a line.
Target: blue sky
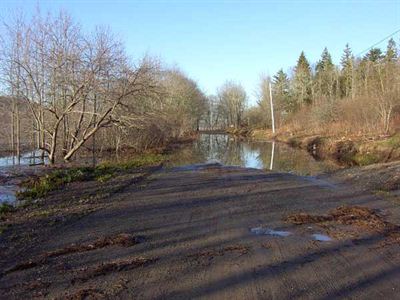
[{"x": 213, "y": 41}]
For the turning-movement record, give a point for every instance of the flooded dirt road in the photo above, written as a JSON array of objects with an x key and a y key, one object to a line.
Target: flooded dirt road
[
  {"x": 265, "y": 155},
  {"x": 221, "y": 148},
  {"x": 207, "y": 232}
]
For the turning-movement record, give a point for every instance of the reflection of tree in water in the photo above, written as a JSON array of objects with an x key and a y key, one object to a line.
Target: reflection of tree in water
[
  {"x": 226, "y": 149},
  {"x": 287, "y": 159},
  {"x": 232, "y": 151}
]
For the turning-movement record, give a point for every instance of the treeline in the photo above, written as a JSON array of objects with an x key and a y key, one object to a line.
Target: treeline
[
  {"x": 359, "y": 96},
  {"x": 82, "y": 90},
  {"x": 227, "y": 108}
]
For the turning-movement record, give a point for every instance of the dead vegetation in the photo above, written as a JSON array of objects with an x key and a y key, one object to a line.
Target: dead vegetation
[
  {"x": 238, "y": 249},
  {"x": 345, "y": 215},
  {"x": 122, "y": 239},
  {"x": 85, "y": 294},
  {"x": 361, "y": 217},
  {"x": 114, "y": 266}
]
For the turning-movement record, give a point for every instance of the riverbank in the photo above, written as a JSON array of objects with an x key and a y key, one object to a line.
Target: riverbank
[
  {"x": 349, "y": 151},
  {"x": 209, "y": 231}
]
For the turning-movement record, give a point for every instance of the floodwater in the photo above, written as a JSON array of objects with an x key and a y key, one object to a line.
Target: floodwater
[
  {"x": 267, "y": 231},
  {"x": 28, "y": 158},
  {"x": 231, "y": 151},
  {"x": 321, "y": 237},
  {"x": 207, "y": 149},
  {"x": 12, "y": 172}
]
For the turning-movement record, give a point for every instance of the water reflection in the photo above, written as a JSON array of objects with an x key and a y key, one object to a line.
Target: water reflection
[
  {"x": 229, "y": 150},
  {"x": 29, "y": 158}
]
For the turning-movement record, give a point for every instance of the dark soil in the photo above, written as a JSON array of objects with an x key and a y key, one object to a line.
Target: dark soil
[{"x": 157, "y": 234}]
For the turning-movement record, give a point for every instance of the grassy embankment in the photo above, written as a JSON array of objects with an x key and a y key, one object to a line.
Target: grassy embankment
[
  {"x": 66, "y": 193},
  {"x": 41, "y": 186},
  {"x": 349, "y": 151}
]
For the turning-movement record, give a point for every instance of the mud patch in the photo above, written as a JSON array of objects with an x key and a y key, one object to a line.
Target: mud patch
[
  {"x": 338, "y": 220},
  {"x": 205, "y": 257},
  {"x": 85, "y": 294},
  {"x": 114, "y": 266},
  {"x": 122, "y": 239},
  {"x": 24, "y": 266},
  {"x": 240, "y": 249},
  {"x": 346, "y": 215},
  {"x": 304, "y": 218}
]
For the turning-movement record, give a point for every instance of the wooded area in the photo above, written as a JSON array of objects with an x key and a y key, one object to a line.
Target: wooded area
[
  {"x": 360, "y": 96},
  {"x": 66, "y": 90},
  {"x": 80, "y": 85}
]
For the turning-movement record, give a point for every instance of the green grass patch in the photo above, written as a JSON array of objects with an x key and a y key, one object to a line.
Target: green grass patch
[
  {"x": 365, "y": 159},
  {"x": 391, "y": 142},
  {"x": 144, "y": 160},
  {"x": 40, "y": 187},
  {"x": 5, "y": 208},
  {"x": 104, "y": 178},
  {"x": 394, "y": 141}
]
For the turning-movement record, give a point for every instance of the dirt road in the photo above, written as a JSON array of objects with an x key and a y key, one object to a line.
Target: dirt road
[{"x": 210, "y": 232}]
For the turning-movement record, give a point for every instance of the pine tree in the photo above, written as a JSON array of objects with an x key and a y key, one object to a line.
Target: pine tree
[
  {"x": 281, "y": 90},
  {"x": 347, "y": 63},
  {"x": 391, "y": 51},
  {"x": 325, "y": 63},
  {"x": 374, "y": 55},
  {"x": 303, "y": 80},
  {"x": 325, "y": 75}
]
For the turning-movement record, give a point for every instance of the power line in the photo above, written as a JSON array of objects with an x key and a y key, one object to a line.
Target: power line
[{"x": 382, "y": 40}]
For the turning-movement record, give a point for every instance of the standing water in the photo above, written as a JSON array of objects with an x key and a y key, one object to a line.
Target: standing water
[
  {"x": 207, "y": 148},
  {"x": 12, "y": 170},
  {"x": 229, "y": 150}
]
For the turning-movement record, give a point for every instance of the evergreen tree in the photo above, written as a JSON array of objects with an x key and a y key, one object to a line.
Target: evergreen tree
[
  {"x": 325, "y": 75},
  {"x": 391, "y": 51},
  {"x": 303, "y": 80},
  {"x": 347, "y": 63},
  {"x": 281, "y": 90},
  {"x": 325, "y": 63},
  {"x": 374, "y": 55}
]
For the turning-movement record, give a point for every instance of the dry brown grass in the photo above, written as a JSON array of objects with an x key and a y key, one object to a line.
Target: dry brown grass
[
  {"x": 345, "y": 215},
  {"x": 122, "y": 239},
  {"x": 343, "y": 117},
  {"x": 114, "y": 266},
  {"x": 350, "y": 222}
]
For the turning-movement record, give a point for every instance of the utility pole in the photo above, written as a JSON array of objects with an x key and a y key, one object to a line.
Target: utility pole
[
  {"x": 94, "y": 135},
  {"x": 272, "y": 108}
]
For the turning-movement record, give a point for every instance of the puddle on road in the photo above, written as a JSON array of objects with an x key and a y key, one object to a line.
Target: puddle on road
[
  {"x": 321, "y": 237},
  {"x": 266, "y": 231},
  {"x": 281, "y": 233}
]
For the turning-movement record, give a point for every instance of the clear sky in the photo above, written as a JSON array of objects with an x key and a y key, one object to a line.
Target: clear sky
[{"x": 213, "y": 41}]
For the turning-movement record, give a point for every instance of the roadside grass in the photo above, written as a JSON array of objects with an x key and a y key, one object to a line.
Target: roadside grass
[
  {"x": 39, "y": 187},
  {"x": 5, "y": 208},
  {"x": 393, "y": 141},
  {"x": 366, "y": 159}
]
